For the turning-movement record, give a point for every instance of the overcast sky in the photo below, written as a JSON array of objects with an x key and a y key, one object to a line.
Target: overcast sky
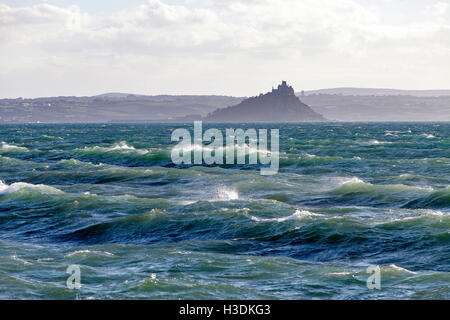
[{"x": 233, "y": 47}]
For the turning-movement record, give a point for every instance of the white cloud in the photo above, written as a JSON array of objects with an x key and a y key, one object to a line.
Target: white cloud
[{"x": 229, "y": 47}]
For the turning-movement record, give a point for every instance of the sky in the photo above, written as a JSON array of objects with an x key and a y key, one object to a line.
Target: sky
[{"x": 233, "y": 47}]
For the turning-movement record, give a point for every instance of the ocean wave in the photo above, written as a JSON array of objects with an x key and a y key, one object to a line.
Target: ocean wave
[
  {"x": 422, "y": 179},
  {"x": 298, "y": 214},
  {"x": 354, "y": 191},
  {"x": 21, "y": 260},
  {"x": 436, "y": 199},
  {"x": 356, "y": 185},
  {"x": 65, "y": 171},
  {"x": 158, "y": 273},
  {"x": 307, "y": 159},
  {"x": 419, "y": 217},
  {"x": 394, "y": 269},
  {"x": 308, "y": 234},
  {"x": 350, "y": 180},
  {"x": 46, "y": 137},
  {"x": 8, "y": 162},
  {"x": 396, "y": 132},
  {"x": 223, "y": 193},
  {"x": 89, "y": 252},
  {"x": 121, "y": 146},
  {"x": 6, "y": 146},
  {"x": 123, "y": 154},
  {"x": 72, "y": 163},
  {"x": 19, "y": 186},
  {"x": 244, "y": 148},
  {"x": 373, "y": 142},
  {"x": 428, "y": 135}
]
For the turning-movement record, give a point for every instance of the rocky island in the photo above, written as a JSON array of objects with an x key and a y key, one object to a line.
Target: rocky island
[{"x": 279, "y": 105}]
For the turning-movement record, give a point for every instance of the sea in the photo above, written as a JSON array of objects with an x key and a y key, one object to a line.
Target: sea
[{"x": 356, "y": 211}]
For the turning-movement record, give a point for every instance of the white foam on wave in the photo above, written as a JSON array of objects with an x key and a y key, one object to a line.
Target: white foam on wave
[
  {"x": 436, "y": 213},
  {"x": 395, "y": 133},
  {"x": 394, "y": 187},
  {"x": 190, "y": 148},
  {"x": 121, "y": 146},
  {"x": 16, "y": 258},
  {"x": 219, "y": 193},
  {"x": 73, "y": 161},
  {"x": 422, "y": 213},
  {"x": 374, "y": 142},
  {"x": 350, "y": 180},
  {"x": 307, "y": 155},
  {"x": 225, "y": 194},
  {"x": 425, "y": 188},
  {"x": 8, "y": 189},
  {"x": 428, "y": 135},
  {"x": 45, "y": 259},
  {"x": 6, "y": 146},
  {"x": 397, "y": 268},
  {"x": 45, "y": 136},
  {"x": 245, "y": 148},
  {"x": 328, "y": 183},
  {"x": 340, "y": 273},
  {"x": 78, "y": 252},
  {"x": 297, "y": 215},
  {"x": 186, "y": 202}
]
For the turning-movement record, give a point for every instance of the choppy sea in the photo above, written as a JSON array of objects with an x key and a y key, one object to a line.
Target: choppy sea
[{"x": 108, "y": 198}]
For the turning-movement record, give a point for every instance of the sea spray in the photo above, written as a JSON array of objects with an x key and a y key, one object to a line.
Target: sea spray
[{"x": 236, "y": 149}]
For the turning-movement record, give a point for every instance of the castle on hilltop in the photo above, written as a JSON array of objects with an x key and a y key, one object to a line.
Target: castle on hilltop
[
  {"x": 283, "y": 88},
  {"x": 279, "y": 105}
]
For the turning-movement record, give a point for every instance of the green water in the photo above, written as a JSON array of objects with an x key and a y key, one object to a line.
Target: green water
[{"x": 108, "y": 198}]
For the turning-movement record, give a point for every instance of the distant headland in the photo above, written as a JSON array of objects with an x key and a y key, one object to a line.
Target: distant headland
[{"x": 279, "y": 105}]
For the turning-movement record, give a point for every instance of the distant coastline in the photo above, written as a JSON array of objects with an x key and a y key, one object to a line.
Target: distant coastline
[
  {"x": 130, "y": 108},
  {"x": 350, "y": 91}
]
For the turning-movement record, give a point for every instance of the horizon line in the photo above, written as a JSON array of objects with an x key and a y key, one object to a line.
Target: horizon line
[{"x": 219, "y": 95}]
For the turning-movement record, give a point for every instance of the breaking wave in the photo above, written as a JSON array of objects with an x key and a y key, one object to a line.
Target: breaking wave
[
  {"x": 19, "y": 186},
  {"x": 6, "y": 146},
  {"x": 123, "y": 154}
]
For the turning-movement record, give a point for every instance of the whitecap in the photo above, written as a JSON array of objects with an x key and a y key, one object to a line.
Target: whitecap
[
  {"x": 246, "y": 149},
  {"x": 122, "y": 145},
  {"x": 45, "y": 259},
  {"x": 374, "y": 142},
  {"x": 186, "y": 202},
  {"x": 16, "y": 258},
  {"x": 350, "y": 180},
  {"x": 307, "y": 155},
  {"x": 297, "y": 215},
  {"x": 77, "y": 252},
  {"x": 225, "y": 194},
  {"x": 5, "y": 145},
  {"x": 8, "y": 189},
  {"x": 397, "y": 268},
  {"x": 340, "y": 273}
]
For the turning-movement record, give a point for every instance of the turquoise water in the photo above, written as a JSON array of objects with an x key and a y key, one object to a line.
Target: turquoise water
[{"x": 108, "y": 198}]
